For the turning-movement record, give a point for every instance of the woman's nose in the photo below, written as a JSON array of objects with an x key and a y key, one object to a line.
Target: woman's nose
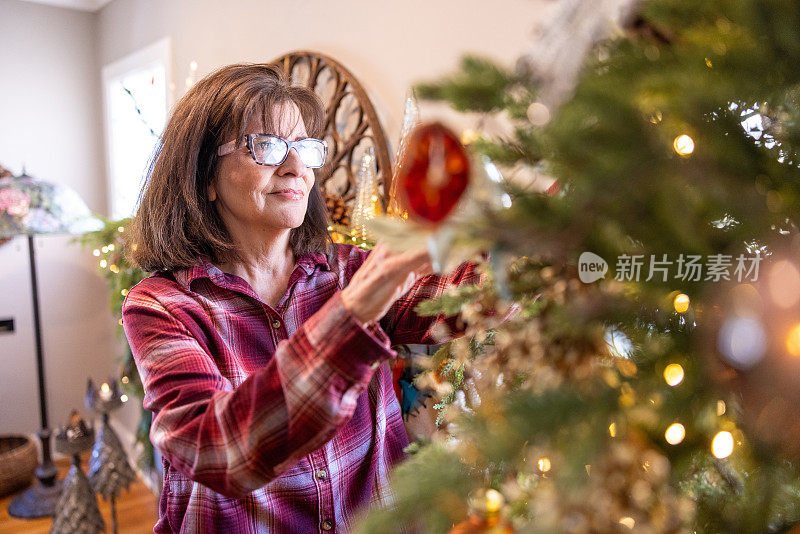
[{"x": 292, "y": 164}]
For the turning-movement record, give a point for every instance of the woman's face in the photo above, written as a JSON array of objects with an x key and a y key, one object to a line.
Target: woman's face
[{"x": 253, "y": 197}]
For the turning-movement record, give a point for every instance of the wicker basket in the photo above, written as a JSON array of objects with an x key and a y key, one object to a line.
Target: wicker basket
[{"x": 18, "y": 460}]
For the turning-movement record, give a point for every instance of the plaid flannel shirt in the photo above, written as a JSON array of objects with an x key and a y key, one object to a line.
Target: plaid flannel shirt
[{"x": 272, "y": 419}]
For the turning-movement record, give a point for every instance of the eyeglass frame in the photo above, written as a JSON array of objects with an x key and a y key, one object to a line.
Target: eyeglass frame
[{"x": 230, "y": 147}]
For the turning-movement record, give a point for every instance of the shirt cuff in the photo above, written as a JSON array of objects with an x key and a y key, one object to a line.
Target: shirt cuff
[{"x": 354, "y": 350}]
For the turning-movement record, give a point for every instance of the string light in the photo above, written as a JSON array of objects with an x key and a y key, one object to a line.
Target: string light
[
  {"x": 123, "y": 398},
  {"x": 673, "y": 374},
  {"x": 119, "y": 322},
  {"x": 96, "y": 252},
  {"x": 124, "y": 292},
  {"x": 104, "y": 387},
  {"x": 494, "y": 500},
  {"x": 612, "y": 430},
  {"x": 105, "y": 250},
  {"x": 683, "y": 145},
  {"x": 628, "y": 522},
  {"x": 111, "y": 247},
  {"x": 469, "y": 136},
  {"x": 681, "y": 303},
  {"x": 125, "y": 379},
  {"x": 675, "y": 433},
  {"x": 721, "y": 408},
  {"x": 544, "y": 465},
  {"x": 103, "y": 264},
  {"x": 793, "y": 341},
  {"x": 121, "y": 229},
  {"x": 722, "y": 444}
]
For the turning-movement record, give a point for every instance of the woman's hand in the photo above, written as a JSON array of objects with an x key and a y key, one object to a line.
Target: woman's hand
[{"x": 382, "y": 279}]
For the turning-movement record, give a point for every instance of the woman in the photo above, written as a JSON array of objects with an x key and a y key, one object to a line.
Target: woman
[{"x": 260, "y": 343}]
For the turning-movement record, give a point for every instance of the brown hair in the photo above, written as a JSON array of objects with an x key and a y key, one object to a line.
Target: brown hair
[{"x": 176, "y": 222}]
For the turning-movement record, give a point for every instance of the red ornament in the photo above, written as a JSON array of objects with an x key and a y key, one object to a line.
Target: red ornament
[{"x": 434, "y": 173}]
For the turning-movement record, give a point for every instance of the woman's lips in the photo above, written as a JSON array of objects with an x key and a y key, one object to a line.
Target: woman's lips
[{"x": 290, "y": 194}]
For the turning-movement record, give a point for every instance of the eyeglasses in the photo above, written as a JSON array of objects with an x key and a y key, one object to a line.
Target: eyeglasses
[{"x": 273, "y": 150}]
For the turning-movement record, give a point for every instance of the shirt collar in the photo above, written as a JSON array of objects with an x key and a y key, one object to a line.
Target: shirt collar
[{"x": 205, "y": 269}]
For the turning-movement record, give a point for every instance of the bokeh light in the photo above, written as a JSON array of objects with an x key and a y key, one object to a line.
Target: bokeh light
[
  {"x": 675, "y": 433},
  {"x": 793, "y": 340},
  {"x": 681, "y": 303},
  {"x": 683, "y": 145},
  {"x": 673, "y": 374},
  {"x": 722, "y": 444},
  {"x": 784, "y": 284},
  {"x": 742, "y": 341},
  {"x": 544, "y": 465}
]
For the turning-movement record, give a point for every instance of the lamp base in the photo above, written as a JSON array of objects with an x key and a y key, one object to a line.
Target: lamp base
[{"x": 37, "y": 501}]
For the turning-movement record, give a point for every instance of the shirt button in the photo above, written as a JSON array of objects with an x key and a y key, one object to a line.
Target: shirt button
[
  {"x": 321, "y": 474},
  {"x": 276, "y": 324},
  {"x": 327, "y": 525}
]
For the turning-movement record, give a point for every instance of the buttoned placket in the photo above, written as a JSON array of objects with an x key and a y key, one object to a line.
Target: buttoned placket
[{"x": 320, "y": 472}]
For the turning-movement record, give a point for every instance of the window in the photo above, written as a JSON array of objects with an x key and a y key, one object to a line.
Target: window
[{"x": 136, "y": 100}]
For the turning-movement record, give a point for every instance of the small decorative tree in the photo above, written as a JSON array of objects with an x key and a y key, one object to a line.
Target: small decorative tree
[
  {"x": 77, "y": 510},
  {"x": 109, "y": 470}
]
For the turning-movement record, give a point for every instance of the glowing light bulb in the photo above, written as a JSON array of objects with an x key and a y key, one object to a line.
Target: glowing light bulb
[
  {"x": 103, "y": 264},
  {"x": 681, "y": 303},
  {"x": 683, "y": 145},
  {"x": 721, "y": 408},
  {"x": 793, "y": 341},
  {"x": 104, "y": 249},
  {"x": 544, "y": 465},
  {"x": 125, "y": 379},
  {"x": 628, "y": 522},
  {"x": 124, "y": 292},
  {"x": 673, "y": 374},
  {"x": 123, "y": 398},
  {"x": 722, "y": 444},
  {"x": 121, "y": 229},
  {"x": 494, "y": 500},
  {"x": 469, "y": 136},
  {"x": 96, "y": 252},
  {"x": 675, "y": 433},
  {"x": 612, "y": 430},
  {"x": 104, "y": 387},
  {"x": 111, "y": 247}
]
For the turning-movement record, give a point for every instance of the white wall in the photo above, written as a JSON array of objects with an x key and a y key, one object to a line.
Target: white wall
[
  {"x": 49, "y": 91},
  {"x": 388, "y": 45}
]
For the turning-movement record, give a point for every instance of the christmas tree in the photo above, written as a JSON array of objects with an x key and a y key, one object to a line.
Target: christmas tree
[{"x": 649, "y": 380}]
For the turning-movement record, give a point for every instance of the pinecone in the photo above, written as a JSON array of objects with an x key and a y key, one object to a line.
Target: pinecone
[{"x": 338, "y": 210}]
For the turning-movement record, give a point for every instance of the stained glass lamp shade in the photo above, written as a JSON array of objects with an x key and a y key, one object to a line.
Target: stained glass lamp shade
[{"x": 28, "y": 207}]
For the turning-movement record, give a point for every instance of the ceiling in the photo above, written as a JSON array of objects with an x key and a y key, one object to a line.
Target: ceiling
[{"x": 82, "y": 5}]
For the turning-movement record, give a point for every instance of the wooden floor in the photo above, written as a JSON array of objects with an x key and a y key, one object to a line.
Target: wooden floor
[{"x": 137, "y": 511}]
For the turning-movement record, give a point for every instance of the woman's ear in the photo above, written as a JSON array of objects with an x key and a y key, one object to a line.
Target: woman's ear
[{"x": 212, "y": 192}]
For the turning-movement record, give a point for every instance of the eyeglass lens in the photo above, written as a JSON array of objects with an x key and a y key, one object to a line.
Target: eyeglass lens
[{"x": 270, "y": 150}]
